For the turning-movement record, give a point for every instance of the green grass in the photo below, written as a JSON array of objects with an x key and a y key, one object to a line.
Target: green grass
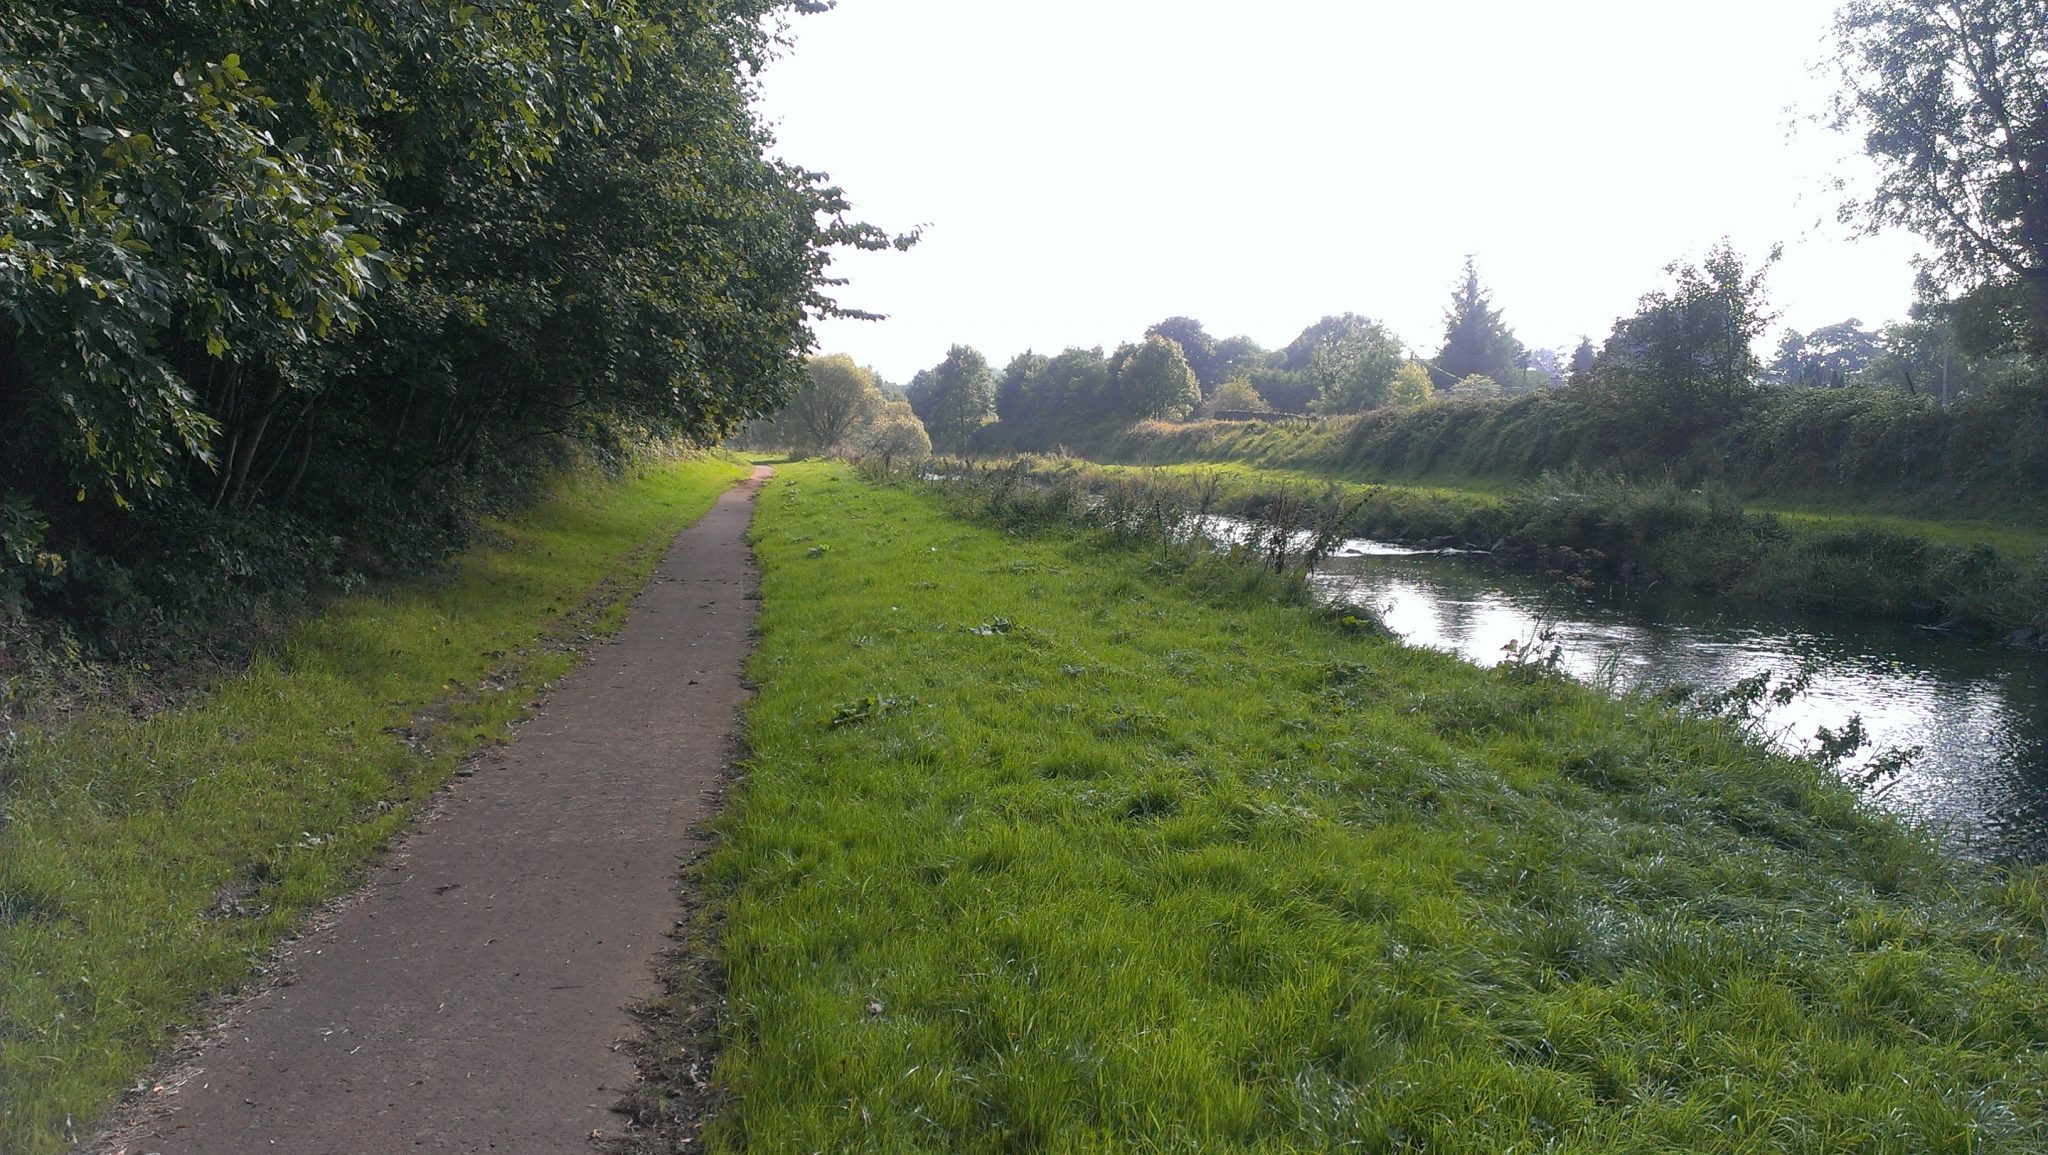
[
  {"x": 1056, "y": 845},
  {"x": 145, "y": 865}
]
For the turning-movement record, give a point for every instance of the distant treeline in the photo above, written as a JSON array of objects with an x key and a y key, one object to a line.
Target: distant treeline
[
  {"x": 290, "y": 292},
  {"x": 1949, "y": 406}
]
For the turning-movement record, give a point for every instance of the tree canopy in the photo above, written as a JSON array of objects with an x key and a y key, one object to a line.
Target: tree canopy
[
  {"x": 330, "y": 261},
  {"x": 1828, "y": 356},
  {"x": 1950, "y": 98},
  {"x": 1686, "y": 358},
  {"x": 1210, "y": 366},
  {"x": 838, "y": 398},
  {"x": 955, "y": 398},
  {"x": 1353, "y": 361},
  {"x": 1153, "y": 379}
]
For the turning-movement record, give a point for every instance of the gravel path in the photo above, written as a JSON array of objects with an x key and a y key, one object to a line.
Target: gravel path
[{"x": 473, "y": 998}]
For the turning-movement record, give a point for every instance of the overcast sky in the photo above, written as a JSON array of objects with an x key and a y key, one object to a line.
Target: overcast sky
[{"x": 1084, "y": 169}]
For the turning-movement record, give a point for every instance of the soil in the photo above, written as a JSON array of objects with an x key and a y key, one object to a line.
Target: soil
[{"x": 475, "y": 996}]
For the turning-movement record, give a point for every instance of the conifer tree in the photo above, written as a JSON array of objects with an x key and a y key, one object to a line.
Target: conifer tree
[{"x": 1475, "y": 338}]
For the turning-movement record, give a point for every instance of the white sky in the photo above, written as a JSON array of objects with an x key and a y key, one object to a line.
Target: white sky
[{"x": 1088, "y": 168}]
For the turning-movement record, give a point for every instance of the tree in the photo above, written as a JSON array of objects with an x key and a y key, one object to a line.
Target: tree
[
  {"x": 1828, "y": 356},
  {"x": 1238, "y": 356},
  {"x": 1074, "y": 389},
  {"x": 1236, "y": 396},
  {"x": 954, "y": 398},
  {"x": 1199, "y": 348},
  {"x": 1020, "y": 377},
  {"x": 1951, "y": 100},
  {"x": 895, "y": 436},
  {"x": 1687, "y": 358},
  {"x": 1153, "y": 380},
  {"x": 314, "y": 270},
  {"x": 1582, "y": 360},
  {"x": 1475, "y": 338},
  {"x": 1353, "y": 361},
  {"x": 1411, "y": 385},
  {"x": 1947, "y": 348},
  {"x": 838, "y": 397}
]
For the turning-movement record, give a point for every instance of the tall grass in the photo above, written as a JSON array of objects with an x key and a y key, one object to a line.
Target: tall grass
[
  {"x": 1039, "y": 849},
  {"x": 146, "y": 864}
]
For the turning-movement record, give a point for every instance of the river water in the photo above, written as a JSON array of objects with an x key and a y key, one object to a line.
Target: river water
[{"x": 1977, "y": 710}]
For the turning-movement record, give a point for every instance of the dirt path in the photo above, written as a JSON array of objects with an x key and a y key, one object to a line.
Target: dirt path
[{"x": 473, "y": 999}]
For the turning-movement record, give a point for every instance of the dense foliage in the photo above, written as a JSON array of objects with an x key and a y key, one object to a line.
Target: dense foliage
[
  {"x": 287, "y": 288},
  {"x": 1951, "y": 100}
]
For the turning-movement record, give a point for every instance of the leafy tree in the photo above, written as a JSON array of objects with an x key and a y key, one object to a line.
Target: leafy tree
[
  {"x": 1951, "y": 100},
  {"x": 839, "y": 397},
  {"x": 1153, "y": 380},
  {"x": 1353, "y": 361},
  {"x": 1828, "y": 356},
  {"x": 1949, "y": 348},
  {"x": 1411, "y": 385},
  {"x": 1300, "y": 352},
  {"x": 895, "y": 436},
  {"x": 1199, "y": 348},
  {"x": 1475, "y": 338},
  {"x": 1686, "y": 359},
  {"x": 319, "y": 270},
  {"x": 955, "y": 398},
  {"x": 1020, "y": 377},
  {"x": 1236, "y": 396},
  {"x": 1238, "y": 356},
  {"x": 1075, "y": 387},
  {"x": 1475, "y": 385}
]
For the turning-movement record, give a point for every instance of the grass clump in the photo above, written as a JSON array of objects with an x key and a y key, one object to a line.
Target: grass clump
[
  {"x": 146, "y": 864},
  {"x": 1169, "y": 869}
]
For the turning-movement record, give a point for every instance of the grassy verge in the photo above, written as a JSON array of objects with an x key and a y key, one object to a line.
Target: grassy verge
[
  {"x": 1062, "y": 845},
  {"x": 1965, "y": 574},
  {"x": 147, "y": 864}
]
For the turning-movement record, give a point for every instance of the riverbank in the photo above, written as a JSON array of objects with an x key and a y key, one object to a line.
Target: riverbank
[
  {"x": 146, "y": 864},
  {"x": 1989, "y": 578},
  {"x": 1073, "y": 843},
  {"x": 1984, "y": 457}
]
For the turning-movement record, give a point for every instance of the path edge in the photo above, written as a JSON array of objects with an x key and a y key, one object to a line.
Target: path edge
[{"x": 126, "y": 1125}]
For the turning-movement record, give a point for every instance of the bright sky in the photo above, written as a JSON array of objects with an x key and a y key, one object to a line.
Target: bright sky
[{"x": 1088, "y": 167}]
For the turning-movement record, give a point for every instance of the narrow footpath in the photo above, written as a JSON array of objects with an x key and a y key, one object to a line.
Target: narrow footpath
[{"x": 474, "y": 999}]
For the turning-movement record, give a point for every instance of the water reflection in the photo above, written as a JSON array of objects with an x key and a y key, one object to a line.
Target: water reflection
[{"x": 1979, "y": 711}]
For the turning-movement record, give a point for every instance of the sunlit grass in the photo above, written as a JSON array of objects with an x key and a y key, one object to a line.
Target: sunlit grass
[
  {"x": 1038, "y": 848},
  {"x": 147, "y": 864}
]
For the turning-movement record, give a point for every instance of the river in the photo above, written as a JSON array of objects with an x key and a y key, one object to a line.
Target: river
[{"x": 1977, "y": 710}]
